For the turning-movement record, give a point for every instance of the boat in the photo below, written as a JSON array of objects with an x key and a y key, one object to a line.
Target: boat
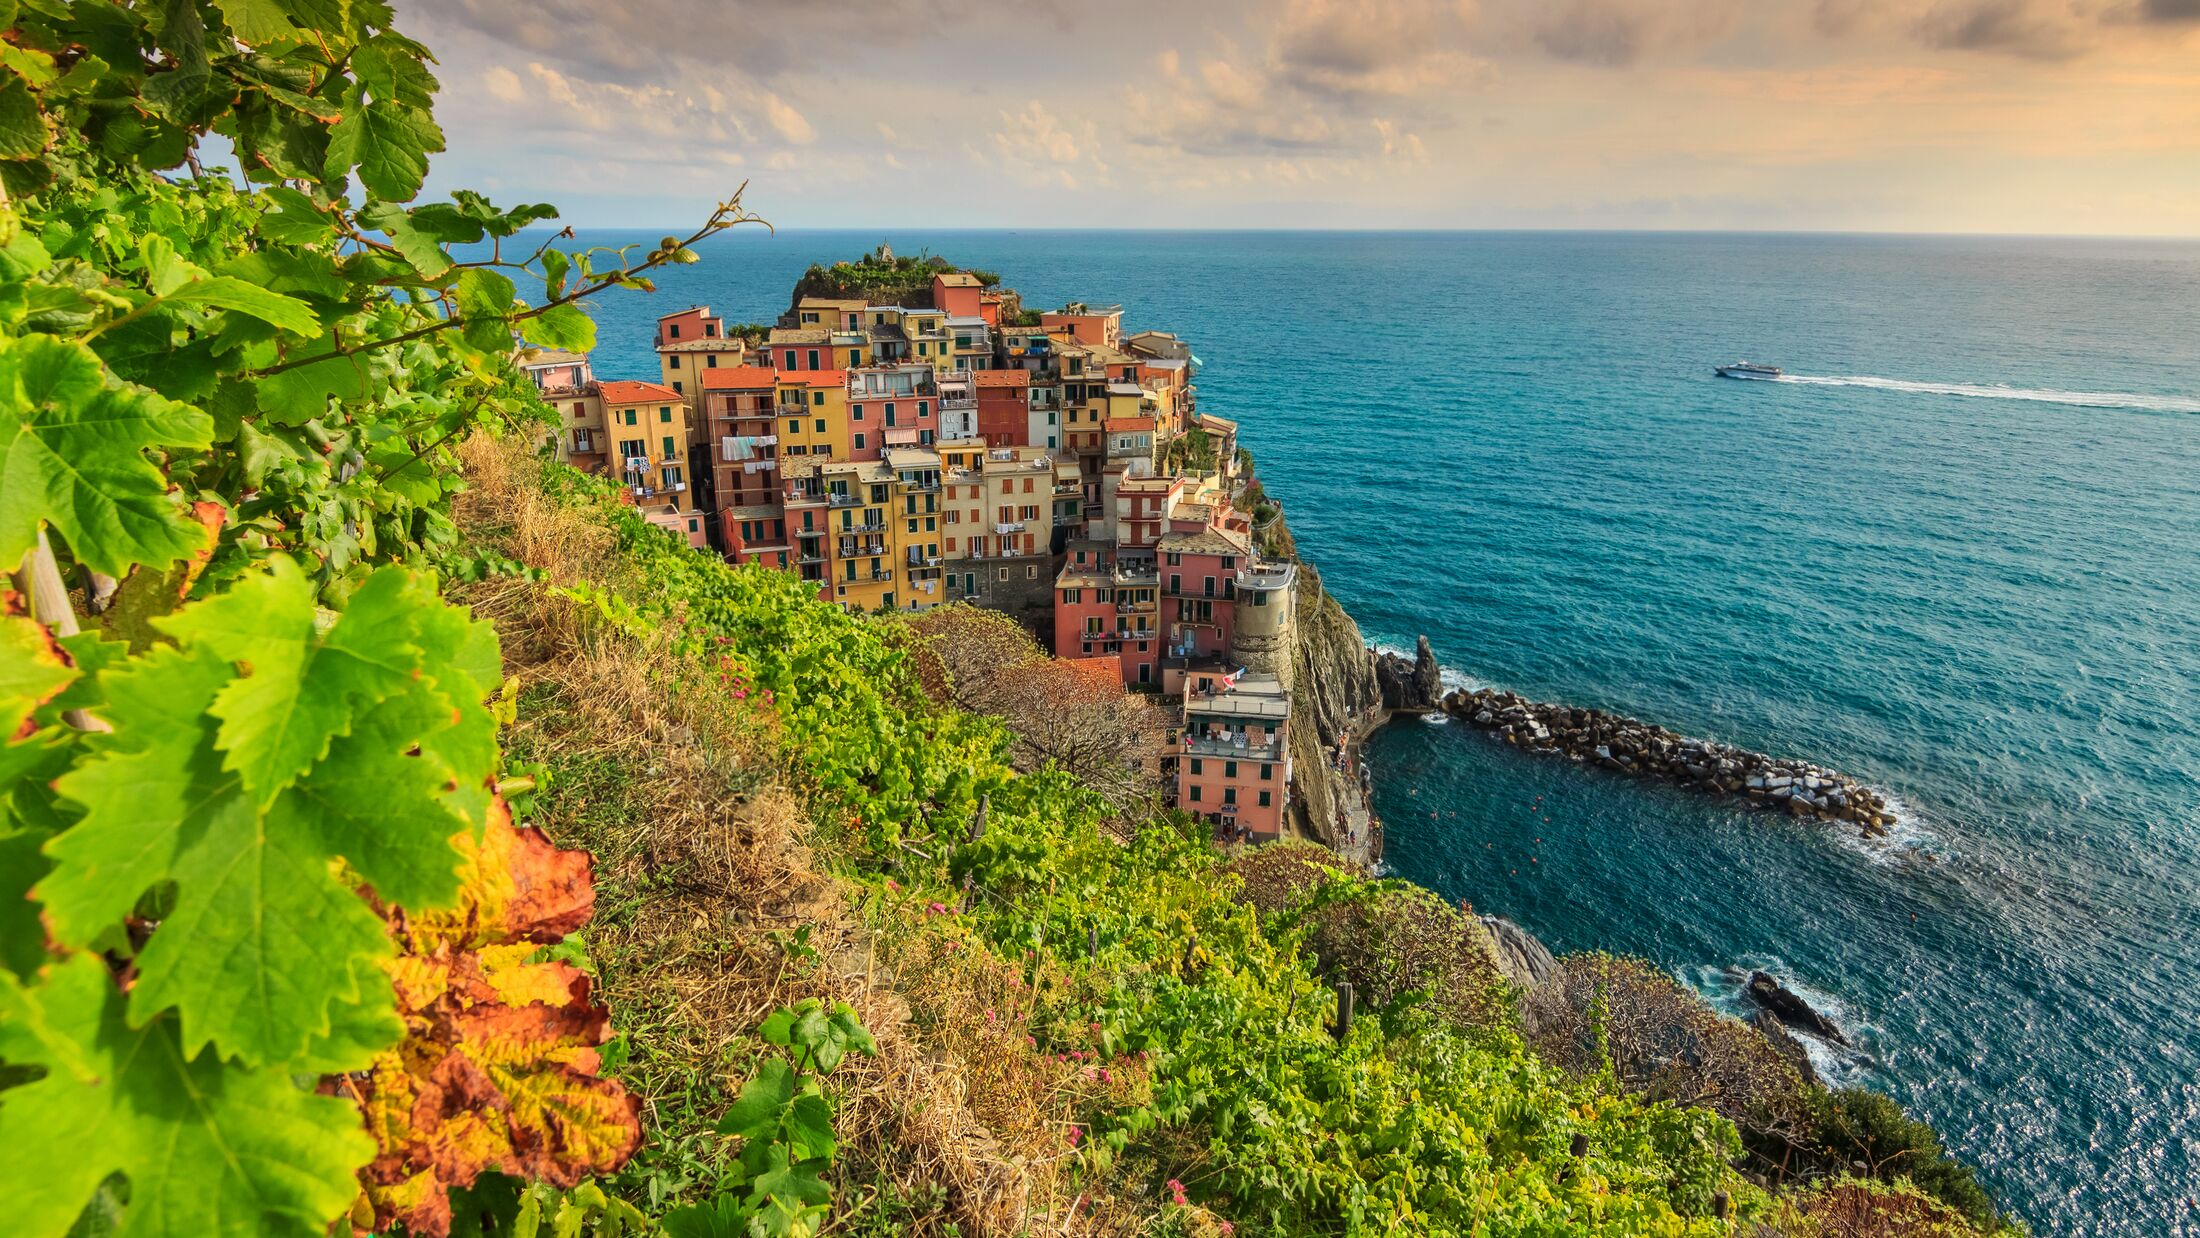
[{"x": 1746, "y": 369}]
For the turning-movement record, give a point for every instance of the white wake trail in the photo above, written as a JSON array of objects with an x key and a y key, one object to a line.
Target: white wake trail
[{"x": 1996, "y": 391}]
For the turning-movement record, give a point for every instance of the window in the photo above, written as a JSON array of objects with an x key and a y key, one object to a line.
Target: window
[
  {"x": 1031, "y": 571},
  {"x": 813, "y": 360},
  {"x": 793, "y": 426},
  {"x": 1176, "y": 582},
  {"x": 889, "y": 412},
  {"x": 821, "y": 425},
  {"x": 710, "y": 362},
  {"x": 692, "y": 525},
  {"x": 672, "y": 476},
  {"x": 817, "y": 399},
  {"x": 1175, "y": 559},
  {"x": 1267, "y": 772},
  {"x": 1197, "y": 768},
  {"x": 855, "y": 413},
  {"x": 1229, "y": 795},
  {"x": 630, "y": 418},
  {"x": 1264, "y": 799},
  {"x": 924, "y": 407},
  {"x": 1229, "y": 769},
  {"x": 664, "y": 413},
  {"x": 1229, "y": 562},
  {"x": 970, "y": 585},
  {"x": 859, "y": 442},
  {"x": 790, "y": 358},
  {"x": 1195, "y": 793},
  {"x": 929, "y": 526},
  {"x": 710, "y": 328},
  {"x": 675, "y": 330},
  {"x": 675, "y": 361},
  {"x": 677, "y": 387},
  {"x": 670, "y": 452},
  {"x": 1004, "y": 574},
  {"x": 1073, "y": 595},
  {"x": 1210, "y": 587}
]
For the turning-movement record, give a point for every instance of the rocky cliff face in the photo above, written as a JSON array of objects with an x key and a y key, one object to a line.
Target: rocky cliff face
[{"x": 1334, "y": 695}]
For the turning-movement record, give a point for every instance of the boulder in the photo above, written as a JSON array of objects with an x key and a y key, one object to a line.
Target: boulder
[{"x": 1783, "y": 1004}]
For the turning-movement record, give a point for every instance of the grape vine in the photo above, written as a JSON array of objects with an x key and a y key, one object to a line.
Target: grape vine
[{"x": 266, "y": 928}]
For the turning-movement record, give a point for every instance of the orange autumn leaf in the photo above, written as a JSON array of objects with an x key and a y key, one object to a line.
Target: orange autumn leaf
[{"x": 497, "y": 1071}]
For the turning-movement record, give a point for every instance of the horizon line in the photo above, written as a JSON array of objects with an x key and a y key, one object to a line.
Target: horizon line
[{"x": 2193, "y": 238}]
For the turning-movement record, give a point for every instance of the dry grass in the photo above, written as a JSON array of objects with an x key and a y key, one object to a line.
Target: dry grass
[{"x": 705, "y": 873}]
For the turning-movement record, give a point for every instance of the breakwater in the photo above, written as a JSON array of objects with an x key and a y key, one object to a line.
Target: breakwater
[{"x": 1632, "y": 746}]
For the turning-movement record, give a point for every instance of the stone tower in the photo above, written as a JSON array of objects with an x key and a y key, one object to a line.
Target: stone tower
[{"x": 1264, "y": 623}]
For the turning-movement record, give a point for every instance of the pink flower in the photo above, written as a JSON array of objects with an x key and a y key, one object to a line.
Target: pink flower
[
  {"x": 990, "y": 1017},
  {"x": 1104, "y": 1077},
  {"x": 1227, "y": 1228},
  {"x": 935, "y": 909},
  {"x": 1176, "y": 1193},
  {"x": 1076, "y": 1136},
  {"x": 893, "y": 885}
]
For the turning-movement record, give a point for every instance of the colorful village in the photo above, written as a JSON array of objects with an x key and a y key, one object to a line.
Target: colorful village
[{"x": 1041, "y": 464}]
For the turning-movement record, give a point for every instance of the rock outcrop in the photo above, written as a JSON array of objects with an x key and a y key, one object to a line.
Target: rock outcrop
[
  {"x": 1784, "y": 1004},
  {"x": 1523, "y": 957},
  {"x": 1415, "y": 686},
  {"x": 1631, "y": 746}
]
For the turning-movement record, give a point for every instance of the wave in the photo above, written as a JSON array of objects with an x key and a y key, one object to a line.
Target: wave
[{"x": 1998, "y": 391}]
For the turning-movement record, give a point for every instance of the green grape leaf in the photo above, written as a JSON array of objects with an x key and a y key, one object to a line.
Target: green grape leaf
[
  {"x": 296, "y": 219},
  {"x": 561, "y": 326},
  {"x": 23, "y": 131},
  {"x": 755, "y": 1113},
  {"x": 389, "y": 143},
  {"x": 72, "y": 455},
  {"x": 301, "y": 393},
  {"x": 726, "y": 1217},
  {"x": 810, "y": 1128},
  {"x": 243, "y": 763},
  {"x": 228, "y": 293},
  {"x": 33, "y": 669},
  {"x": 210, "y": 1150},
  {"x": 301, "y": 692},
  {"x": 394, "y": 72},
  {"x": 257, "y": 21}
]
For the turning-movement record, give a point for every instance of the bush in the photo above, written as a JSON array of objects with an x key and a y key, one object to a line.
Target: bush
[{"x": 1861, "y": 1128}]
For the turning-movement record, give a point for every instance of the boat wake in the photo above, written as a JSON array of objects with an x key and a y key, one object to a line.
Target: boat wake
[{"x": 1997, "y": 391}]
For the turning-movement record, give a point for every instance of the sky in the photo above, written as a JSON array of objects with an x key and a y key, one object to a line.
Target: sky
[{"x": 2004, "y": 116}]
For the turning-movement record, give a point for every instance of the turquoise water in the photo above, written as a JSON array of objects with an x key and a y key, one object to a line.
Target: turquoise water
[{"x": 1962, "y": 562}]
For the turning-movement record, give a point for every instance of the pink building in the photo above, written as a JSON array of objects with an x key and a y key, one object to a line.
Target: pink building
[
  {"x": 959, "y": 294},
  {"x": 1198, "y": 573},
  {"x": 1233, "y": 767}
]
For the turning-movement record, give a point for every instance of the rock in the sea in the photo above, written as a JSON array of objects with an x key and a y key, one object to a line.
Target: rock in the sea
[
  {"x": 1524, "y": 959},
  {"x": 1782, "y": 1003}
]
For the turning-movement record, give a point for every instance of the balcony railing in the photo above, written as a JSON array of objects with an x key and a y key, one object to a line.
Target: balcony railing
[
  {"x": 837, "y": 499},
  {"x": 882, "y": 574},
  {"x": 1234, "y": 747},
  {"x": 1011, "y": 526}
]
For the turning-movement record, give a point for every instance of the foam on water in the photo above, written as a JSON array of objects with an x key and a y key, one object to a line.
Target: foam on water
[
  {"x": 1726, "y": 987},
  {"x": 1998, "y": 391},
  {"x": 1453, "y": 679}
]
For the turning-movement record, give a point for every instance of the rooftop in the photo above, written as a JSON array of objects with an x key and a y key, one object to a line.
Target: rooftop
[
  {"x": 1001, "y": 378},
  {"x": 1204, "y": 542},
  {"x": 628, "y": 391},
  {"x": 739, "y": 377},
  {"x": 814, "y": 378},
  {"x": 709, "y": 343},
  {"x": 1256, "y": 697},
  {"x": 959, "y": 279},
  {"x": 553, "y": 356}
]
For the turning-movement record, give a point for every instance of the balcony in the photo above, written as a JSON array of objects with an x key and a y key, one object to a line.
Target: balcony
[
  {"x": 1012, "y": 526},
  {"x": 868, "y": 526},
  {"x": 837, "y": 499},
  {"x": 808, "y": 557},
  {"x": 882, "y": 574},
  {"x": 1231, "y": 746}
]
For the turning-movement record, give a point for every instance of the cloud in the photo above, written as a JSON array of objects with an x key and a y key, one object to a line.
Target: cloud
[
  {"x": 2045, "y": 31},
  {"x": 1035, "y": 145},
  {"x": 1622, "y": 32},
  {"x": 787, "y": 122}
]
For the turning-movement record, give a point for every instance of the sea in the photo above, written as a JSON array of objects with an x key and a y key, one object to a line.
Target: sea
[{"x": 1955, "y": 553}]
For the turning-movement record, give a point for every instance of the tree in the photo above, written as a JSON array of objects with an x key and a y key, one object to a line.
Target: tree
[{"x": 1072, "y": 714}]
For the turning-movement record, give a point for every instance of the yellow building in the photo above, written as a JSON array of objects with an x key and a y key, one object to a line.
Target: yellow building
[
  {"x": 918, "y": 518},
  {"x": 861, "y": 545},
  {"x": 647, "y": 425},
  {"x": 830, "y": 313},
  {"x": 930, "y": 342},
  {"x": 813, "y": 414}
]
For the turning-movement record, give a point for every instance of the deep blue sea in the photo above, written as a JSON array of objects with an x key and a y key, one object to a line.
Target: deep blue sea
[{"x": 1960, "y": 558}]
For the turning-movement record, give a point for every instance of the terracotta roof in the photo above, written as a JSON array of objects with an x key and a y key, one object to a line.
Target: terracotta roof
[
  {"x": 738, "y": 377},
  {"x": 799, "y": 335},
  {"x": 709, "y": 343},
  {"x": 815, "y": 378},
  {"x": 1001, "y": 378},
  {"x": 627, "y": 391},
  {"x": 959, "y": 279}
]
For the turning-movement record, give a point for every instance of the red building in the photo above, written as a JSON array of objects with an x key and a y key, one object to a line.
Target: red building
[
  {"x": 1004, "y": 406},
  {"x": 959, "y": 294}
]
